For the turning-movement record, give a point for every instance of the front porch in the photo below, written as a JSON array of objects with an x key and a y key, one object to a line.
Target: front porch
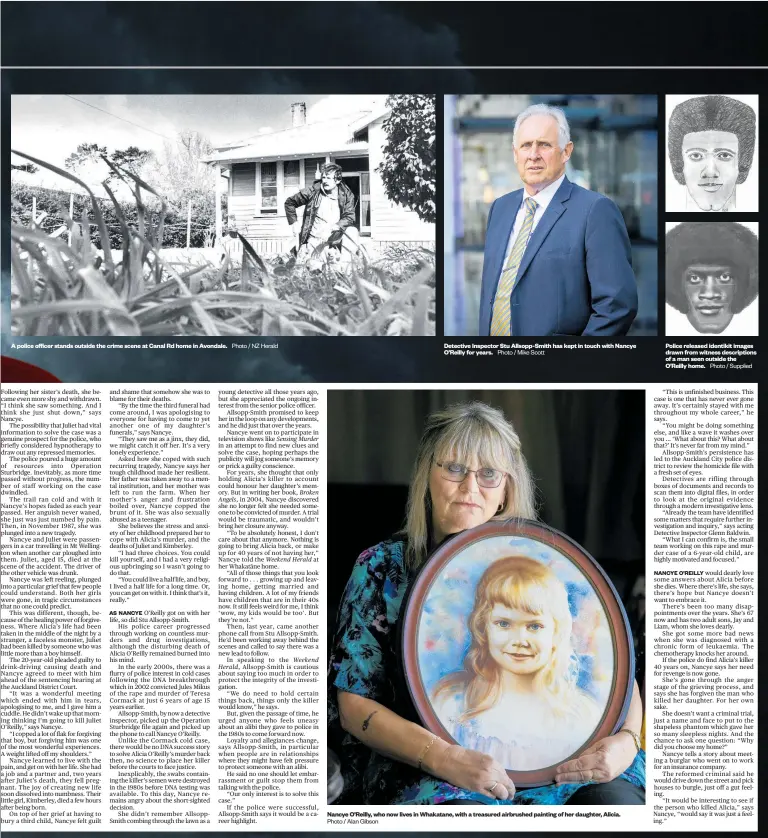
[{"x": 375, "y": 248}]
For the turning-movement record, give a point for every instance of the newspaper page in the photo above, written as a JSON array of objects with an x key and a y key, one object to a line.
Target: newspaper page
[
  {"x": 164, "y": 613},
  {"x": 497, "y": 552}
]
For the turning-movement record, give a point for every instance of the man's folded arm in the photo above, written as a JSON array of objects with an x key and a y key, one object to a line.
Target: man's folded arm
[
  {"x": 613, "y": 287},
  {"x": 297, "y": 200}
]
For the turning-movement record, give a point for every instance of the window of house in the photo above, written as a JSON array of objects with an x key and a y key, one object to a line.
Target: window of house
[
  {"x": 312, "y": 169},
  {"x": 352, "y": 164},
  {"x": 292, "y": 176},
  {"x": 268, "y": 188},
  {"x": 243, "y": 179},
  {"x": 365, "y": 202}
]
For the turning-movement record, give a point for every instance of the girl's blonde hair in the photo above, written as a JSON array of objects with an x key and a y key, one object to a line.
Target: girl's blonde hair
[
  {"x": 522, "y": 584},
  {"x": 463, "y": 432}
]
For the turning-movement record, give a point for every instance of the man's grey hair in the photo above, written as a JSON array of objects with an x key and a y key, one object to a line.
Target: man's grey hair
[{"x": 563, "y": 130}]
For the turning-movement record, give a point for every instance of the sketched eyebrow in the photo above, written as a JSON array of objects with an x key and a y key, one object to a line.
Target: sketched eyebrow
[{"x": 724, "y": 148}]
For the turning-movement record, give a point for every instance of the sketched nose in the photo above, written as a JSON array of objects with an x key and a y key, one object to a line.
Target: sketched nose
[
  {"x": 709, "y": 290},
  {"x": 710, "y": 168}
]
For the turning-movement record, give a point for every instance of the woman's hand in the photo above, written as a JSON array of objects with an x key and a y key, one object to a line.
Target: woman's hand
[
  {"x": 601, "y": 762},
  {"x": 396, "y": 738},
  {"x": 470, "y": 770}
]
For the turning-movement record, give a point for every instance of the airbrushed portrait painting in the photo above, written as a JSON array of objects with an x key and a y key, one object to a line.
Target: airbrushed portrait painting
[{"x": 515, "y": 648}]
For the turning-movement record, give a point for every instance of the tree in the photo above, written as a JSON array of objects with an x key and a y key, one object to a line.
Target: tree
[
  {"x": 181, "y": 175},
  {"x": 85, "y": 155},
  {"x": 181, "y": 172},
  {"x": 88, "y": 161},
  {"x": 408, "y": 166},
  {"x": 132, "y": 158},
  {"x": 25, "y": 167}
]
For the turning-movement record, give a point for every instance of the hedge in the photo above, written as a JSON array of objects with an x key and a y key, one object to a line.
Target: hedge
[{"x": 55, "y": 203}]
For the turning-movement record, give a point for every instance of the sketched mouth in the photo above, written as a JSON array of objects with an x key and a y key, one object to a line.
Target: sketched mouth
[
  {"x": 709, "y": 310},
  {"x": 710, "y": 187}
]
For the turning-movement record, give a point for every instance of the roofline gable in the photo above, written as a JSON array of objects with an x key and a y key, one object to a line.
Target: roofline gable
[{"x": 327, "y": 137}]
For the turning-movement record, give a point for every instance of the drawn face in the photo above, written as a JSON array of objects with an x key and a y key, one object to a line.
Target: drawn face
[
  {"x": 460, "y": 506},
  {"x": 539, "y": 159},
  {"x": 710, "y": 167},
  {"x": 520, "y": 642},
  {"x": 709, "y": 290}
]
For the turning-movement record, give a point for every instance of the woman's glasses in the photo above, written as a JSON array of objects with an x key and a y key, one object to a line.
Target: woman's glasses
[{"x": 487, "y": 478}]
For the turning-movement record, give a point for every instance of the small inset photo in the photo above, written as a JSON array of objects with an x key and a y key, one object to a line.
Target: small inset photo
[
  {"x": 486, "y": 598},
  {"x": 288, "y": 215},
  {"x": 550, "y": 219},
  {"x": 712, "y": 159},
  {"x": 711, "y": 279}
]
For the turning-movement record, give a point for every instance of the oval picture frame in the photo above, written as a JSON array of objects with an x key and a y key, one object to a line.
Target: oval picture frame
[{"x": 583, "y": 680}]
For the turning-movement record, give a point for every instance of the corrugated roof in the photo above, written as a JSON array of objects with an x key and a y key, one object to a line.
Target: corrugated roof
[{"x": 332, "y": 136}]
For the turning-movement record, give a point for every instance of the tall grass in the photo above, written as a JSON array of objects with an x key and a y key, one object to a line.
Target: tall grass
[{"x": 79, "y": 289}]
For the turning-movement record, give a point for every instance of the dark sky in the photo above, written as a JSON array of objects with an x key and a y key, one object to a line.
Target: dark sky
[
  {"x": 426, "y": 34},
  {"x": 339, "y": 35}
]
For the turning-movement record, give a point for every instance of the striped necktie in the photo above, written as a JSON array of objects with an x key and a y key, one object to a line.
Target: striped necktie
[{"x": 502, "y": 312}]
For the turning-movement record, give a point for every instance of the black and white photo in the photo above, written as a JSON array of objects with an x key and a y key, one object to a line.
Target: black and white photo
[
  {"x": 712, "y": 154},
  {"x": 223, "y": 215},
  {"x": 712, "y": 279}
]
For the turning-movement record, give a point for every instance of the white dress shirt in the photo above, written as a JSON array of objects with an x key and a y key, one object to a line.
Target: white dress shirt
[{"x": 543, "y": 200}]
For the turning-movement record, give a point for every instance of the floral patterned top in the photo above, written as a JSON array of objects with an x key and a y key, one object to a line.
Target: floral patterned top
[{"x": 365, "y": 661}]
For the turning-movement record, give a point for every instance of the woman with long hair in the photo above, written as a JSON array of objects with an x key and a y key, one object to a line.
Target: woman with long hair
[{"x": 469, "y": 470}]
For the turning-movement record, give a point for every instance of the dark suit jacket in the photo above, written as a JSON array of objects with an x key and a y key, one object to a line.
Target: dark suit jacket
[{"x": 576, "y": 274}]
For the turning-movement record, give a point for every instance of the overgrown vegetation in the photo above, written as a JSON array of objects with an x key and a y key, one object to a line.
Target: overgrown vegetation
[
  {"x": 50, "y": 203},
  {"x": 127, "y": 287},
  {"x": 408, "y": 165}
]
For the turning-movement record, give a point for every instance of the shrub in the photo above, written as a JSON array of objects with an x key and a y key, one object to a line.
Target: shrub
[
  {"x": 117, "y": 281},
  {"x": 55, "y": 203}
]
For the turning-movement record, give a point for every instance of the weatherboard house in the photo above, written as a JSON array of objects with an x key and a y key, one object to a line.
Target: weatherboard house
[{"x": 264, "y": 172}]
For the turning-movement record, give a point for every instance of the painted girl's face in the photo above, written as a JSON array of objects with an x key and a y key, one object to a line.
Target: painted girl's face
[
  {"x": 709, "y": 290},
  {"x": 710, "y": 167},
  {"x": 520, "y": 642}
]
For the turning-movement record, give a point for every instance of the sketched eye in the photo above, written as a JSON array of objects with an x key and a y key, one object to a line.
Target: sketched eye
[
  {"x": 695, "y": 156},
  {"x": 693, "y": 279},
  {"x": 725, "y": 278},
  {"x": 725, "y": 156}
]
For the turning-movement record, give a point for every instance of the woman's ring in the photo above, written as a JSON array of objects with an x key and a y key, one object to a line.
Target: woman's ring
[{"x": 493, "y": 786}]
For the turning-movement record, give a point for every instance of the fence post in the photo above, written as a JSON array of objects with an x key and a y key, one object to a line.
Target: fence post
[
  {"x": 217, "y": 193},
  {"x": 189, "y": 223}
]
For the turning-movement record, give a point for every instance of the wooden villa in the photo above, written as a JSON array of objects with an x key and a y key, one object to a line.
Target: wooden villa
[{"x": 266, "y": 171}]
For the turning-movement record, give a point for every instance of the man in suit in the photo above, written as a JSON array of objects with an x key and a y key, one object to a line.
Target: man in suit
[{"x": 557, "y": 257}]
